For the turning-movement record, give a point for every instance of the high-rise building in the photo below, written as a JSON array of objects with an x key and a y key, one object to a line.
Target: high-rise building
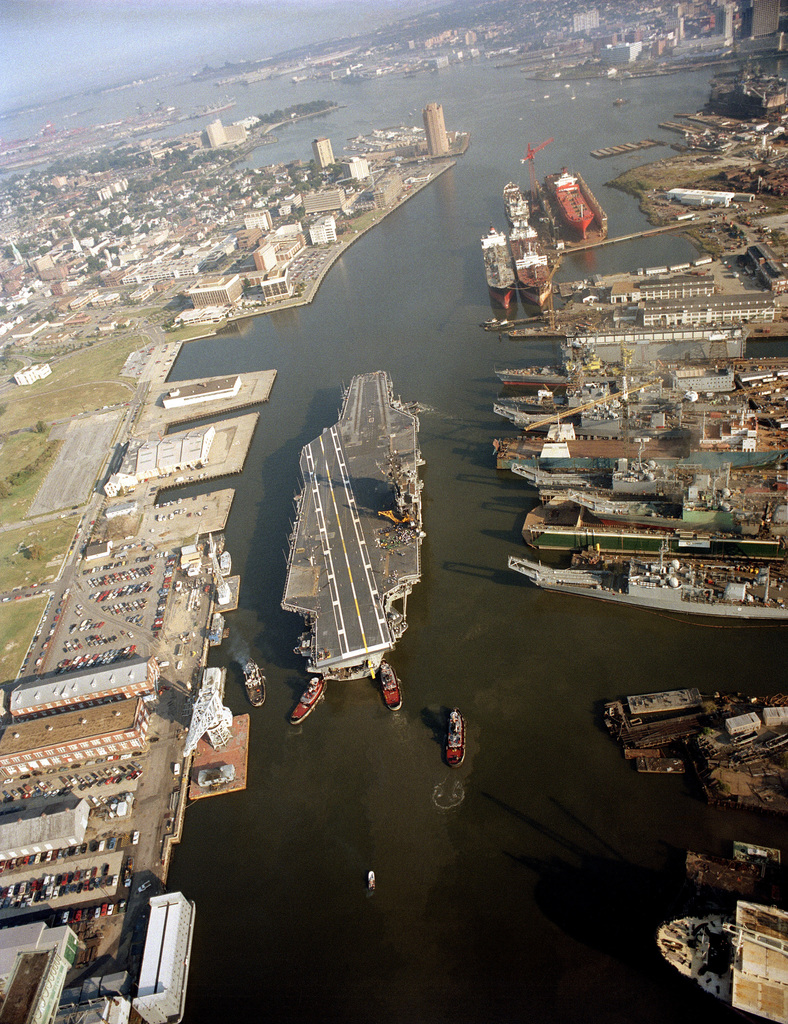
[
  {"x": 324, "y": 154},
  {"x": 723, "y": 21},
  {"x": 585, "y": 21},
  {"x": 760, "y": 18},
  {"x": 437, "y": 143}
]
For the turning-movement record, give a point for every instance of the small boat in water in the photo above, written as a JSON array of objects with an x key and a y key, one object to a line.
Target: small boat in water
[
  {"x": 389, "y": 686},
  {"x": 309, "y": 699},
  {"x": 455, "y": 739},
  {"x": 254, "y": 680},
  {"x": 371, "y": 880}
]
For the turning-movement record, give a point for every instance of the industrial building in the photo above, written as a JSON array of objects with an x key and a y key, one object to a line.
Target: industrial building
[
  {"x": 136, "y": 677},
  {"x": 770, "y": 271},
  {"x": 74, "y": 737},
  {"x": 147, "y": 460},
  {"x": 30, "y": 938},
  {"x": 728, "y": 309},
  {"x": 205, "y": 391},
  {"x": 41, "y": 824},
  {"x": 161, "y": 990},
  {"x": 652, "y": 289}
]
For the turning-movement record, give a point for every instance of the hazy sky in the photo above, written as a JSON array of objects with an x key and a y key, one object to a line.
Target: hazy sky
[{"x": 63, "y": 45}]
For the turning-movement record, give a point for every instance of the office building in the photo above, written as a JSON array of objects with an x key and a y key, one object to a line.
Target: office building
[
  {"x": 434, "y": 126},
  {"x": 216, "y": 291},
  {"x": 760, "y": 18},
  {"x": 323, "y": 231},
  {"x": 357, "y": 168}
]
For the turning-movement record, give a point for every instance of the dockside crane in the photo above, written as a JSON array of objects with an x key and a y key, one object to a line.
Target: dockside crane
[
  {"x": 530, "y": 153},
  {"x": 623, "y": 397}
]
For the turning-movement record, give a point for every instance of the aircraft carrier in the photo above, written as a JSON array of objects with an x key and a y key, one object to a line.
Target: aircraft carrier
[{"x": 355, "y": 550}]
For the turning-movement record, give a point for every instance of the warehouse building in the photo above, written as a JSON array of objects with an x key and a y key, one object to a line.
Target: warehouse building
[
  {"x": 761, "y": 259},
  {"x": 161, "y": 991},
  {"x": 728, "y": 309},
  {"x": 38, "y": 825},
  {"x": 205, "y": 391},
  {"x": 148, "y": 460},
  {"x": 73, "y": 737},
  {"x": 125, "y": 679}
]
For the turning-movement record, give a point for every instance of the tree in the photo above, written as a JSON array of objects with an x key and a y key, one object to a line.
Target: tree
[
  {"x": 41, "y": 427},
  {"x": 34, "y": 551}
]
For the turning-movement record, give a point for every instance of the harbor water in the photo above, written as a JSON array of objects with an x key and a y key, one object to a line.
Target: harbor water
[{"x": 527, "y": 884}]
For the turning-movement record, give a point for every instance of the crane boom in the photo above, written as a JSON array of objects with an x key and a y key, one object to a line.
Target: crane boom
[
  {"x": 530, "y": 153},
  {"x": 586, "y": 405}
]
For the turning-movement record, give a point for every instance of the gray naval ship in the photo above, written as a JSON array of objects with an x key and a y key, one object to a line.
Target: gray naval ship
[
  {"x": 691, "y": 587},
  {"x": 355, "y": 550}
]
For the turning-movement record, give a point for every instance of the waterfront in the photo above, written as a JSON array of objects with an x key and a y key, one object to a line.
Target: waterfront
[{"x": 527, "y": 884}]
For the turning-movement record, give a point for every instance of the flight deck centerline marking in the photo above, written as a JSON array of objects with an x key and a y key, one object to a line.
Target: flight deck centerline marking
[
  {"x": 344, "y": 548},
  {"x": 339, "y": 623},
  {"x": 377, "y": 606}
]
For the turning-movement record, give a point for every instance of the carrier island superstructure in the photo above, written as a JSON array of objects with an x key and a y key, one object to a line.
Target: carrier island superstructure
[{"x": 355, "y": 549}]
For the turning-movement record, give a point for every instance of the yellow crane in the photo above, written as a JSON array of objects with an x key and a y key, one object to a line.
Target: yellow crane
[
  {"x": 399, "y": 520},
  {"x": 582, "y": 408}
]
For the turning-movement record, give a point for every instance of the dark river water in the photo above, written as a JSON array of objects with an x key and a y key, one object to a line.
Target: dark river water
[{"x": 527, "y": 884}]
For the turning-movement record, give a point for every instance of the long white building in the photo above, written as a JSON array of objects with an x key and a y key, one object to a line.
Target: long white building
[{"x": 161, "y": 992}]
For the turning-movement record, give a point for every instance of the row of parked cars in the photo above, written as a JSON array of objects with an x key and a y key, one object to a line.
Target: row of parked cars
[
  {"x": 77, "y": 914},
  {"x": 121, "y": 577},
  {"x": 169, "y": 568},
  {"x": 83, "y": 661}
]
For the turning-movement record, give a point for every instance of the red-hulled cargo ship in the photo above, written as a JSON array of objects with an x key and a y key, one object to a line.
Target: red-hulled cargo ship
[
  {"x": 498, "y": 268},
  {"x": 573, "y": 207}
]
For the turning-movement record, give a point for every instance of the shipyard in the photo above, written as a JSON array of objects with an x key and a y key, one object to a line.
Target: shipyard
[{"x": 295, "y": 631}]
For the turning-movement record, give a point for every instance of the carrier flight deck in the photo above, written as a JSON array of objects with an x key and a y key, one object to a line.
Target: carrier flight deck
[{"x": 355, "y": 548}]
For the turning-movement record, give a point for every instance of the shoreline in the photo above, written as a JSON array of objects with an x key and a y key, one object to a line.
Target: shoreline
[{"x": 309, "y": 295}]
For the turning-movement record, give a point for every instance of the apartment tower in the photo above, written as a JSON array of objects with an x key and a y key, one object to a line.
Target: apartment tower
[
  {"x": 324, "y": 154},
  {"x": 437, "y": 143}
]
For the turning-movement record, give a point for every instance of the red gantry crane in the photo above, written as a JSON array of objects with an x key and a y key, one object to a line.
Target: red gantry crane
[{"x": 529, "y": 159}]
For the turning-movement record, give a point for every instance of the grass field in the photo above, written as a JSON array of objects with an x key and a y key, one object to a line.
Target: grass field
[
  {"x": 18, "y": 621},
  {"x": 16, "y": 453},
  {"x": 53, "y": 538},
  {"x": 82, "y": 382}
]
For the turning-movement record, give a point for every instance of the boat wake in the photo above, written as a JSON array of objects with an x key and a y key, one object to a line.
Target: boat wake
[{"x": 449, "y": 794}]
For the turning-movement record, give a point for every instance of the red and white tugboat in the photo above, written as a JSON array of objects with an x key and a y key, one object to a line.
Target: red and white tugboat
[
  {"x": 254, "y": 680},
  {"x": 389, "y": 687},
  {"x": 455, "y": 739},
  {"x": 309, "y": 699}
]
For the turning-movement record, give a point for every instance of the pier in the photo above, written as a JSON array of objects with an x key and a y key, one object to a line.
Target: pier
[
  {"x": 625, "y": 147},
  {"x": 648, "y": 233}
]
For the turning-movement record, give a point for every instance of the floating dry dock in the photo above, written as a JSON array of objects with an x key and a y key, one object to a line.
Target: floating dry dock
[{"x": 355, "y": 549}]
